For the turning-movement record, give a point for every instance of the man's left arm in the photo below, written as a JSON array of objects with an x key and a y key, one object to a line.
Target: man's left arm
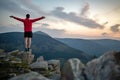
[{"x": 34, "y": 20}]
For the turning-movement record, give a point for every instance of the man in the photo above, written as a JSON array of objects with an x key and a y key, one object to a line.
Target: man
[{"x": 27, "y": 29}]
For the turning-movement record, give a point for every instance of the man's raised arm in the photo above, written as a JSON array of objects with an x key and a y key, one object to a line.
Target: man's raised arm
[
  {"x": 34, "y": 20},
  {"x": 19, "y": 19}
]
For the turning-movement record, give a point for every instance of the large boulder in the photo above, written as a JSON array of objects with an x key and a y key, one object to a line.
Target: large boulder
[
  {"x": 54, "y": 68},
  {"x": 11, "y": 64},
  {"x": 73, "y": 70},
  {"x": 26, "y": 57},
  {"x": 54, "y": 65},
  {"x": 30, "y": 76},
  {"x": 107, "y": 67},
  {"x": 39, "y": 65},
  {"x": 39, "y": 59}
]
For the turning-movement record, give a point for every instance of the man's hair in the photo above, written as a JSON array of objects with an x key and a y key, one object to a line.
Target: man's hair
[{"x": 27, "y": 15}]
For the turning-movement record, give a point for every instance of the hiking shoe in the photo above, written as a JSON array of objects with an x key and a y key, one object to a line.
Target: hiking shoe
[
  {"x": 29, "y": 49},
  {"x": 26, "y": 49}
]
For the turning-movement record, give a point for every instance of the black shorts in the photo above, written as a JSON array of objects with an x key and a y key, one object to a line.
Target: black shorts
[{"x": 28, "y": 34}]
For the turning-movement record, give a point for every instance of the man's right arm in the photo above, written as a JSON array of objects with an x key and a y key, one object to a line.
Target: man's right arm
[{"x": 19, "y": 19}]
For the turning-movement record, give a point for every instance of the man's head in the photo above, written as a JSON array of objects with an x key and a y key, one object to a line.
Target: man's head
[{"x": 27, "y": 15}]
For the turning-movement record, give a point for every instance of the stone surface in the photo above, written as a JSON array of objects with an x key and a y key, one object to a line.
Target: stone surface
[
  {"x": 2, "y": 51},
  {"x": 27, "y": 57},
  {"x": 106, "y": 67},
  {"x": 54, "y": 65},
  {"x": 11, "y": 64},
  {"x": 72, "y": 70},
  {"x": 39, "y": 65},
  {"x": 30, "y": 76},
  {"x": 41, "y": 58},
  {"x": 55, "y": 76},
  {"x": 54, "y": 68}
]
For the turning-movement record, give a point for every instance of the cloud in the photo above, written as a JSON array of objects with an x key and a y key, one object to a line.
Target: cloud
[
  {"x": 115, "y": 9},
  {"x": 21, "y": 7},
  {"x": 85, "y": 10},
  {"x": 72, "y": 17},
  {"x": 45, "y": 25},
  {"x": 27, "y": 6},
  {"x": 52, "y": 32},
  {"x": 105, "y": 23},
  {"x": 105, "y": 34},
  {"x": 115, "y": 28},
  {"x": 31, "y": 6},
  {"x": 11, "y": 28},
  {"x": 11, "y": 6}
]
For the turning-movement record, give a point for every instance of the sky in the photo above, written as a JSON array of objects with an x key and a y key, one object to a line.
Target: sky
[{"x": 87, "y": 19}]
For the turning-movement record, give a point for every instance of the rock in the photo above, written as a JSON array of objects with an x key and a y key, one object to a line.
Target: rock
[
  {"x": 54, "y": 65},
  {"x": 55, "y": 76},
  {"x": 2, "y": 51},
  {"x": 16, "y": 60},
  {"x": 41, "y": 58},
  {"x": 106, "y": 67},
  {"x": 27, "y": 57},
  {"x": 30, "y": 76},
  {"x": 2, "y": 55},
  {"x": 39, "y": 65},
  {"x": 12, "y": 74},
  {"x": 14, "y": 53},
  {"x": 72, "y": 70}
]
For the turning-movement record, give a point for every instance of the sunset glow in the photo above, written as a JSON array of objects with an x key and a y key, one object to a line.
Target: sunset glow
[{"x": 91, "y": 19}]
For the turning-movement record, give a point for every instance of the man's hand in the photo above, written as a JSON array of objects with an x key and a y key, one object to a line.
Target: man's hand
[
  {"x": 43, "y": 17},
  {"x": 11, "y": 16}
]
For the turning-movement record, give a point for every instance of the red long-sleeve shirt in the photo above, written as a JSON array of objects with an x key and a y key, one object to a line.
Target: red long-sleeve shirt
[{"x": 28, "y": 23}]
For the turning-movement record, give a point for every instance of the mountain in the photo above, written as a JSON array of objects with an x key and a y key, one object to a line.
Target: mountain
[
  {"x": 42, "y": 45},
  {"x": 92, "y": 47},
  {"x": 109, "y": 43},
  {"x": 41, "y": 33}
]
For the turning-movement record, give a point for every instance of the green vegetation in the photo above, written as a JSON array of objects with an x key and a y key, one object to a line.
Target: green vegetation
[{"x": 11, "y": 66}]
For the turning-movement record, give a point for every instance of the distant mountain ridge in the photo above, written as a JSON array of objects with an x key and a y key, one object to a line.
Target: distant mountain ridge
[
  {"x": 42, "y": 45},
  {"x": 111, "y": 44},
  {"x": 92, "y": 47}
]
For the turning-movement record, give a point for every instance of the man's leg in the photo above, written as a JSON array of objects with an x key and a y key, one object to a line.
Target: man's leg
[
  {"x": 29, "y": 42},
  {"x": 26, "y": 43}
]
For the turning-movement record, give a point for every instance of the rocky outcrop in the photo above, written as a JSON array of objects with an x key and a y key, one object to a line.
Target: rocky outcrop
[
  {"x": 73, "y": 70},
  {"x": 40, "y": 66},
  {"x": 39, "y": 59},
  {"x": 28, "y": 57},
  {"x": 30, "y": 76},
  {"x": 107, "y": 67},
  {"x": 12, "y": 64},
  {"x": 49, "y": 68},
  {"x": 54, "y": 65},
  {"x": 54, "y": 68}
]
